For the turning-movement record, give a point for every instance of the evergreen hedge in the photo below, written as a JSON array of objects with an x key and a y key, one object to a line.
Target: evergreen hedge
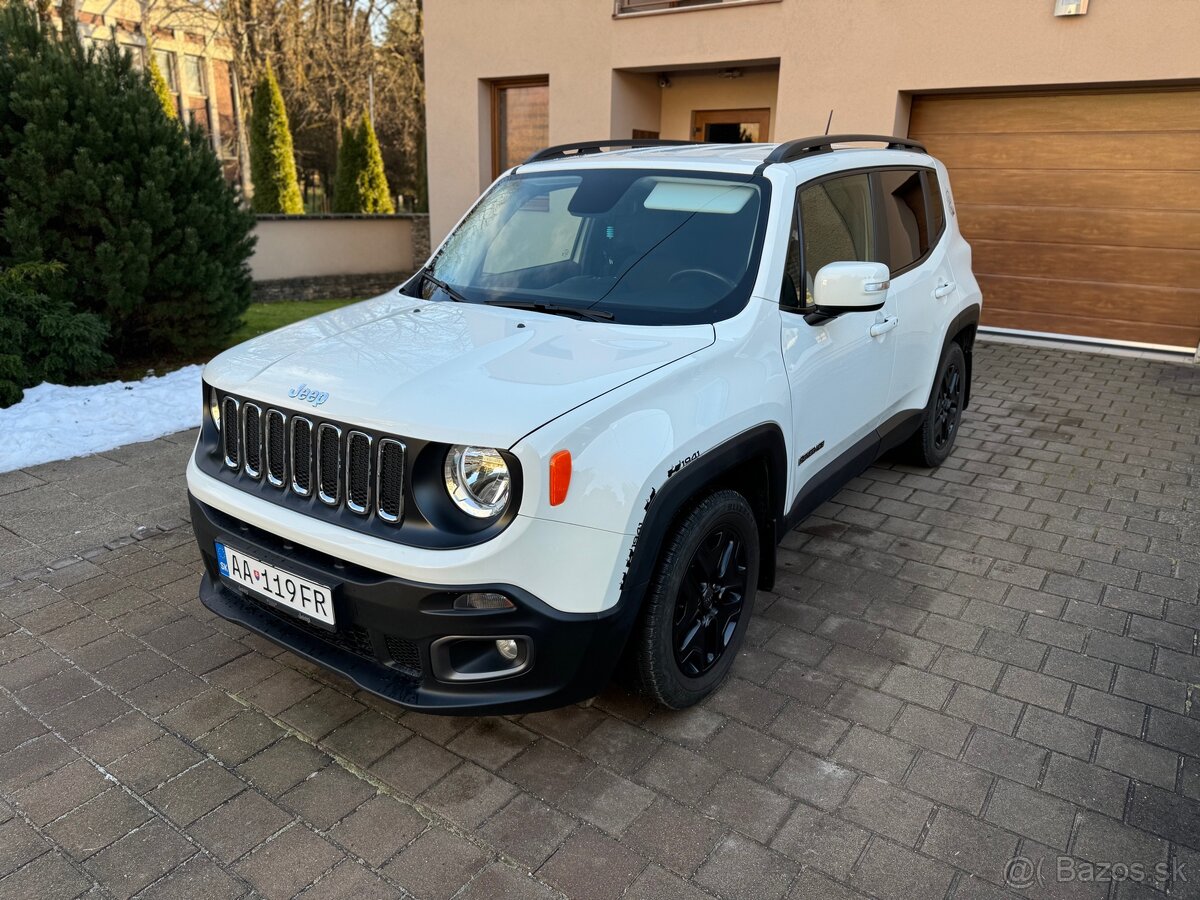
[
  {"x": 41, "y": 338},
  {"x": 135, "y": 207},
  {"x": 361, "y": 184},
  {"x": 272, "y": 159}
]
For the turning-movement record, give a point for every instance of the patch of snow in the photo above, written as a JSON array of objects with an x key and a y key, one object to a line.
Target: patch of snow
[{"x": 53, "y": 421}]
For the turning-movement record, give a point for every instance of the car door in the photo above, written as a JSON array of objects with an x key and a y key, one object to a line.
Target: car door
[
  {"x": 840, "y": 373},
  {"x": 912, "y": 221}
]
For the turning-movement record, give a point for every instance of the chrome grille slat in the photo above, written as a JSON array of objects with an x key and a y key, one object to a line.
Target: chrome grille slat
[
  {"x": 329, "y": 463},
  {"x": 389, "y": 481},
  {"x": 358, "y": 472},
  {"x": 276, "y": 447},
  {"x": 252, "y": 439},
  {"x": 229, "y": 432},
  {"x": 302, "y": 456}
]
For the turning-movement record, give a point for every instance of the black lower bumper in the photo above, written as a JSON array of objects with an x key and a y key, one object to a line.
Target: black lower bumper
[{"x": 386, "y": 628}]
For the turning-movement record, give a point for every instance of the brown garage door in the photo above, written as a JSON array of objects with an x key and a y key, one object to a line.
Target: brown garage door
[{"x": 1083, "y": 209}]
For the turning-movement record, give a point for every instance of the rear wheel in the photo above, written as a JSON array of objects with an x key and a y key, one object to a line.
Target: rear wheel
[
  {"x": 699, "y": 602},
  {"x": 933, "y": 442}
]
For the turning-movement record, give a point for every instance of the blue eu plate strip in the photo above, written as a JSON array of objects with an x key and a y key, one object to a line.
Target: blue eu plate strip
[{"x": 222, "y": 562}]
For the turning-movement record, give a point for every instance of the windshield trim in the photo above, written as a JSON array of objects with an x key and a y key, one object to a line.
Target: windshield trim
[{"x": 725, "y": 308}]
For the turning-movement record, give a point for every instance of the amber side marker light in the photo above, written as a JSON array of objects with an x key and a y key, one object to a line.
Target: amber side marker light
[{"x": 560, "y": 476}]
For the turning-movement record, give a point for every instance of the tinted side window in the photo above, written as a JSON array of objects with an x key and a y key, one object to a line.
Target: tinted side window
[
  {"x": 904, "y": 224},
  {"x": 937, "y": 212},
  {"x": 838, "y": 224}
]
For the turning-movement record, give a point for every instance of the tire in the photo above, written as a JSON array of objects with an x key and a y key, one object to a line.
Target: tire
[
  {"x": 932, "y": 443},
  {"x": 704, "y": 589}
]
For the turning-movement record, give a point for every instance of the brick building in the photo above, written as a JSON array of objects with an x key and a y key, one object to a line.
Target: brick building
[{"x": 195, "y": 58}]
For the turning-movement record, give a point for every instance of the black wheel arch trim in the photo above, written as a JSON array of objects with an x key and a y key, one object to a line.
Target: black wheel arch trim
[
  {"x": 967, "y": 319},
  {"x": 669, "y": 500}
]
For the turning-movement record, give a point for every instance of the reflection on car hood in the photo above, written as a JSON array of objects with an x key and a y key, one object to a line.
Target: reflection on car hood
[{"x": 442, "y": 371}]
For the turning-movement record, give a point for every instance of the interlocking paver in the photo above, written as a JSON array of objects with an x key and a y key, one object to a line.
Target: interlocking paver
[{"x": 952, "y": 662}]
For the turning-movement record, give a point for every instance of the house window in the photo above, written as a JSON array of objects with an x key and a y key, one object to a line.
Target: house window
[
  {"x": 638, "y": 7},
  {"x": 520, "y": 120},
  {"x": 195, "y": 86},
  {"x": 193, "y": 76},
  {"x": 166, "y": 64}
]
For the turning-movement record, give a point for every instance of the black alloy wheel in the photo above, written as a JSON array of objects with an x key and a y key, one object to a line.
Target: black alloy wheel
[
  {"x": 709, "y": 604},
  {"x": 699, "y": 601},
  {"x": 934, "y": 440},
  {"x": 948, "y": 406}
]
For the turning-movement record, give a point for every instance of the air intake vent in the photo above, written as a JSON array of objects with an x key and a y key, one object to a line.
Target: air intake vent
[
  {"x": 229, "y": 417},
  {"x": 276, "y": 426},
  {"x": 252, "y": 439},
  {"x": 329, "y": 450},
  {"x": 358, "y": 472},
  {"x": 389, "y": 488},
  {"x": 405, "y": 653},
  {"x": 302, "y": 456}
]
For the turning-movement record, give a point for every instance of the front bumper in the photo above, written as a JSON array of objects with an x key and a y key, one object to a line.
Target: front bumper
[{"x": 386, "y": 627}]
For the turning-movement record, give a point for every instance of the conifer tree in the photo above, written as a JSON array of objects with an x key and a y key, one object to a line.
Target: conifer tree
[
  {"x": 272, "y": 159},
  {"x": 349, "y": 162},
  {"x": 162, "y": 90},
  {"x": 150, "y": 236},
  {"x": 361, "y": 185}
]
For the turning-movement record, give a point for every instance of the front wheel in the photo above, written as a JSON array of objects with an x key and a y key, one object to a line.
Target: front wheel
[
  {"x": 933, "y": 442},
  {"x": 699, "y": 602}
]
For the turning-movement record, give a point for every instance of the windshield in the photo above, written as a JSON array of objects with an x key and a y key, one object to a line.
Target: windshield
[{"x": 646, "y": 247}]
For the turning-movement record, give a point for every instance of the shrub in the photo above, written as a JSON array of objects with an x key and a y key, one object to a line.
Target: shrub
[
  {"x": 161, "y": 89},
  {"x": 272, "y": 160},
  {"x": 349, "y": 162},
  {"x": 136, "y": 208},
  {"x": 43, "y": 339},
  {"x": 361, "y": 185}
]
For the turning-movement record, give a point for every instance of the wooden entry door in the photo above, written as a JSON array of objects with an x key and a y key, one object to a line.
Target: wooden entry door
[{"x": 731, "y": 126}]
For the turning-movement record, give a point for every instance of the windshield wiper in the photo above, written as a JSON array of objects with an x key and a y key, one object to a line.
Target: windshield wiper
[
  {"x": 445, "y": 288},
  {"x": 556, "y": 309}
]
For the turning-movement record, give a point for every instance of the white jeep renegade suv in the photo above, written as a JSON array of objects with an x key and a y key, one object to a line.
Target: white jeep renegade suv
[{"x": 578, "y": 433}]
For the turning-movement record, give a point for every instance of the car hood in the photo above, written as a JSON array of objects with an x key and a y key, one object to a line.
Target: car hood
[{"x": 443, "y": 371}]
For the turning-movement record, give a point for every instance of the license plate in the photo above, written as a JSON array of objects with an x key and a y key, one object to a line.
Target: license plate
[{"x": 296, "y": 594}]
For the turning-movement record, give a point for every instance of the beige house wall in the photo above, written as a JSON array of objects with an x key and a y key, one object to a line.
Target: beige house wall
[
  {"x": 296, "y": 247},
  {"x": 862, "y": 59}
]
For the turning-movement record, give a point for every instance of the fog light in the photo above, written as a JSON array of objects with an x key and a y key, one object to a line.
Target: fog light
[
  {"x": 507, "y": 648},
  {"x": 482, "y": 600}
]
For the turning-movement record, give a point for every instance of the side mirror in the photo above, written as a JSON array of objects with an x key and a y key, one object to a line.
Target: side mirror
[{"x": 843, "y": 287}]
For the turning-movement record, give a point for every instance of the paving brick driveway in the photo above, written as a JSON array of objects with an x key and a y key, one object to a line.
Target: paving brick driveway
[{"x": 997, "y": 659}]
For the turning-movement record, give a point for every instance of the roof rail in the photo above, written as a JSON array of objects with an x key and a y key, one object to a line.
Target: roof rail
[
  {"x": 562, "y": 151},
  {"x": 790, "y": 151}
]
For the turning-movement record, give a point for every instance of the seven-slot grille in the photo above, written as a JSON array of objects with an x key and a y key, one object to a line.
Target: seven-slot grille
[{"x": 294, "y": 454}]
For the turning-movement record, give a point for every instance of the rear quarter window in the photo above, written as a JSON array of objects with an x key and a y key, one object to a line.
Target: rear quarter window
[
  {"x": 905, "y": 225},
  {"x": 937, "y": 210}
]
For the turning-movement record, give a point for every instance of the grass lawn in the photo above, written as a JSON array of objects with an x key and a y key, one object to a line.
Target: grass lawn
[{"x": 259, "y": 319}]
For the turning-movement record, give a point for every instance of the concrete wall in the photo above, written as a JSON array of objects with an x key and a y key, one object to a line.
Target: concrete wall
[
  {"x": 321, "y": 246},
  {"x": 863, "y": 59}
]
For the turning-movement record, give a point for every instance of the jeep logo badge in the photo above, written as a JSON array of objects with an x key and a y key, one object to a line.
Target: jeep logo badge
[{"x": 304, "y": 392}]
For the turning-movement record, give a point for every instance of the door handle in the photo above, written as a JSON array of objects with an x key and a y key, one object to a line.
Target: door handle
[
  {"x": 944, "y": 290},
  {"x": 885, "y": 326}
]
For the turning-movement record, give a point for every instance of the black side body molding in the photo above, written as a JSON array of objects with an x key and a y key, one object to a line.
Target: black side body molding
[{"x": 889, "y": 435}]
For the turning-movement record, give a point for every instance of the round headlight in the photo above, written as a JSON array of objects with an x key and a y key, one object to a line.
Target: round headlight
[
  {"x": 478, "y": 481},
  {"x": 214, "y": 408}
]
